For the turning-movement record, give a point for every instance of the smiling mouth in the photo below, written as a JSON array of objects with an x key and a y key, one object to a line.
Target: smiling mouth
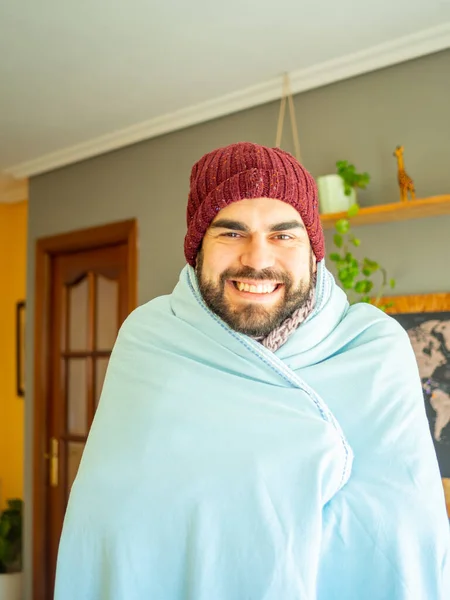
[{"x": 259, "y": 288}]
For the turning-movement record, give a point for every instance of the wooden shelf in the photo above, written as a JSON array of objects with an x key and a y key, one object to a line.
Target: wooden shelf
[{"x": 399, "y": 211}]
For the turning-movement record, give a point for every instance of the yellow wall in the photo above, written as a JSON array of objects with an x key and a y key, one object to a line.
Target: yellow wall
[{"x": 13, "y": 232}]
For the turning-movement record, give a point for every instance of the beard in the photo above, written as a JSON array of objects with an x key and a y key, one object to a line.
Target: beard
[{"x": 254, "y": 320}]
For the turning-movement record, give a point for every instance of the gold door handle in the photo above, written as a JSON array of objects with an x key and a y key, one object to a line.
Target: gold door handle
[{"x": 54, "y": 461}]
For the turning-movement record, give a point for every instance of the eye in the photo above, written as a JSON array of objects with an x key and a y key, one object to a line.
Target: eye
[
  {"x": 283, "y": 237},
  {"x": 231, "y": 234}
]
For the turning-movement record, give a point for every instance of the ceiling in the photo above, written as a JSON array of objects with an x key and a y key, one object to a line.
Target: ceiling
[{"x": 78, "y": 78}]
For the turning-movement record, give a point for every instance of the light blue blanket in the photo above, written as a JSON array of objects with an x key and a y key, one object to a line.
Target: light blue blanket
[{"x": 217, "y": 470}]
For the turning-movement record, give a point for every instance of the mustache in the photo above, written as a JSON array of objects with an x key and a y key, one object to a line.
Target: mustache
[{"x": 249, "y": 273}]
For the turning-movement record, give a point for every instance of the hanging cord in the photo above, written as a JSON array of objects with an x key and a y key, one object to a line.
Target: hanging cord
[
  {"x": 281, "y": 113},
  {"x": 287, "y": 94}
]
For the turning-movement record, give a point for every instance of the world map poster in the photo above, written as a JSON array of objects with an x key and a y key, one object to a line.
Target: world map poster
[
  {"x": 430, "y": 337},
  {"x": 429, "y": 332}
]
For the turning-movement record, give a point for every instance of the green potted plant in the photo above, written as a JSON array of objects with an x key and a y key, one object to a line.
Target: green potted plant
[
  {"x": 364, "y": 280},
  {"x": 11, "y": 551},
  {"x": 337, "y": 192}
]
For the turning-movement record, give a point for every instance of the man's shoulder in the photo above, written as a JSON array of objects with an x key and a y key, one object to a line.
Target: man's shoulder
[
  {"x": 148, "y": 314},
  {"x": 375, "y": 322}
]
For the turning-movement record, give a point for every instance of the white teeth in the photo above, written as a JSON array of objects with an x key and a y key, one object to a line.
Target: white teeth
[{"x": 262, "y": 288}]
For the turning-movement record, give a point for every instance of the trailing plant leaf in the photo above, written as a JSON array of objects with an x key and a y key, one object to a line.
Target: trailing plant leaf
[
  {"x": 342, "y": 226},
  {"x": 338, "y": 240},
  {"x": 359, "y": 278},
  {"x": 364, "y": 286},
  {"x": 351, "y": 178},
  {"x": 353, "y": 210}
]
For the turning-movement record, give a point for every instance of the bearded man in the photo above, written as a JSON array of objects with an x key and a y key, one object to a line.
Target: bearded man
[{"x": 257, "y": 438}]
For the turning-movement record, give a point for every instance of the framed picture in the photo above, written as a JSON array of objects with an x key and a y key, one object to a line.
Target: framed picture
[
  {"x": 426, "y": 318},
  {"x": 20, "y": 348}
]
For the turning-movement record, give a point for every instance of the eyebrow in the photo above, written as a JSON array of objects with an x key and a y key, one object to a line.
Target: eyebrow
[
  {"x": 229, "y": 224},
  {"x": 239, "y": 226},
  {"x": 287, "y": 225}
]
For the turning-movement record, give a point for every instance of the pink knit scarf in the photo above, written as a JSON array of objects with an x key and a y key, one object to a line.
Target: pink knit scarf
[{"x": 278, "y": 336}]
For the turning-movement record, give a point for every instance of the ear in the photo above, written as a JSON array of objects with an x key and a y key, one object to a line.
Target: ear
[
  {"x": 199, "y": 259},
  {"x": 314, "y": 262}
]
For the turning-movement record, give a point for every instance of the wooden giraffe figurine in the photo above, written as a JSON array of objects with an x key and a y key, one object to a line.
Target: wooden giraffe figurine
[{"x": 404, "y": 180}]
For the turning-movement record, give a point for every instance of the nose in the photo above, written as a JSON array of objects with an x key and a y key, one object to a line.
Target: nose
[{"x": 257, "y": 254}]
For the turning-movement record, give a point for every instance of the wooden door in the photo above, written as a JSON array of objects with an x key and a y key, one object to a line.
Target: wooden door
[{"x": 89, "y": 296}]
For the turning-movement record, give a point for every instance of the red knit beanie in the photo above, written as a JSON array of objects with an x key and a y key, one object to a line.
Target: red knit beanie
[{"x": 246, "y": 170}]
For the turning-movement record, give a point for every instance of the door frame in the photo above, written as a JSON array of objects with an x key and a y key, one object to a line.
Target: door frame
[{"x": 123, "y": 232}]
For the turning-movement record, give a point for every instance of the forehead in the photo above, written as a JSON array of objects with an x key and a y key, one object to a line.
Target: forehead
[{"x": 259, "y": 211}]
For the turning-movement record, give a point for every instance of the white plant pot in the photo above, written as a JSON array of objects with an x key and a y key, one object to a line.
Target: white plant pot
[
  {"x": 11, "y": 586},
  {"x": 332, "y": 198}
]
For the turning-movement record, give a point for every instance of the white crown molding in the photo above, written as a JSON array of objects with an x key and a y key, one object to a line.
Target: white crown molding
[{"x": 351, "y": 65}]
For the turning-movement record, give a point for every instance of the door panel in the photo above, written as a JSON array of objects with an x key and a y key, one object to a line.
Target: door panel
[
  {"x": 77, "y": 311},
  {"x": 107, "y": 311},
  {"x": 77, "y": 402},
  {"x": 82, "y": 279},
  {"x": 89, "y": 301}
]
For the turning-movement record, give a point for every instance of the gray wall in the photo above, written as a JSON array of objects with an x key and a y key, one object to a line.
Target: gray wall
[{"x": 361, "y": 120}]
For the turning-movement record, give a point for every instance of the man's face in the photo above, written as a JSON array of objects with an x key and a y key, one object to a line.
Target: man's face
[{"x": 256, "y": 265}]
